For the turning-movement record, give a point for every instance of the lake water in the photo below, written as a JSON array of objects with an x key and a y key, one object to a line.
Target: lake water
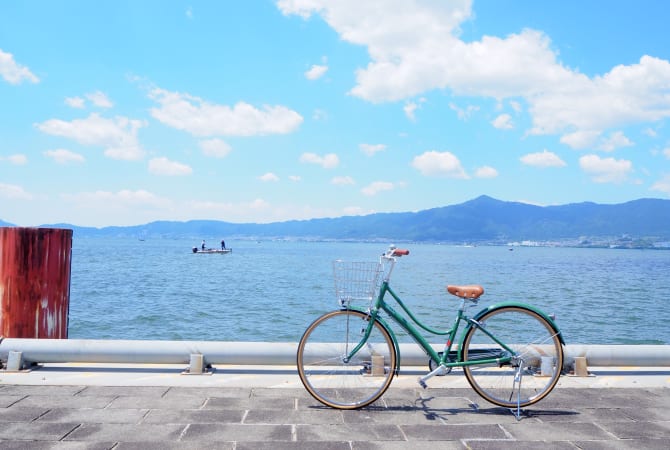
[{"x": 271, "y": 290}]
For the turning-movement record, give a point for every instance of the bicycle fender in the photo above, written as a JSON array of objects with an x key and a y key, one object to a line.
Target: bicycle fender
[
  {"x": 390, "y": 332},
  {"x": 532, "y": 308}
]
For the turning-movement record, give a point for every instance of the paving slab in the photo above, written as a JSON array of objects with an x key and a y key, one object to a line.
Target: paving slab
[
  {"x": 209, "y": 432},
  {"x": 450, "y": 432},
  {"x": 44, "y": 445},
  {"x": 21, "y": 413},
  {"x": 93, "y": 415},
  {"x": 187, "y": 416},
  {"x": 356, "y": 432},
  {"x": 126, "y": 432},
  {"x": 36, "y": 431},
  {"x": 632, "y": 444},
  {"x": 277, "y": 414}
]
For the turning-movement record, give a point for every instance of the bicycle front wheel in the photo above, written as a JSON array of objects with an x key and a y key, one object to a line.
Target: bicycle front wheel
[
  {"x": 330, "y": 376},
  {"x": 536, "y": 361}
]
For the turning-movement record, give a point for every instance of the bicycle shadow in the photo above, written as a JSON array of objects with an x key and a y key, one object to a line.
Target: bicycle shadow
[
  {"x": 448, "y": 414},
  {"x": 432, "y": 413}
]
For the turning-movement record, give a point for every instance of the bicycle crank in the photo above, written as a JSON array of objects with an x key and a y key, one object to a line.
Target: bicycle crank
[
  {"x": 439, "y": 371},
  {"x": 432, "y": 365}
]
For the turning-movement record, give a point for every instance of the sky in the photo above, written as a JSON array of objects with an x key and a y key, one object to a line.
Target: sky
[{"x": 126, "y": 112}]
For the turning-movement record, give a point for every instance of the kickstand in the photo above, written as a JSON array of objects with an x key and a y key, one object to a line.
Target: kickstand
[
  {"x": 517, "y": 412},
  {"x": 517, "y": 380}
]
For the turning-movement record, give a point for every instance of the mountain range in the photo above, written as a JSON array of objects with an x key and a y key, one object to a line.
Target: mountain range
[{"x": 481, "y": 220}]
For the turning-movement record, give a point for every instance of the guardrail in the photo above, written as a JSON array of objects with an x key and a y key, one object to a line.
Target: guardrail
[{"x": 16, "y": 354}]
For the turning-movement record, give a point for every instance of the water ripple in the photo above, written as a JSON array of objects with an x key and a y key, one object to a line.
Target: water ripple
[{"x": 271, "y": 291}]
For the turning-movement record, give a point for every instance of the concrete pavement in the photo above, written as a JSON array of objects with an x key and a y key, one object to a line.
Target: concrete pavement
[{"x": 237, "y": 407}]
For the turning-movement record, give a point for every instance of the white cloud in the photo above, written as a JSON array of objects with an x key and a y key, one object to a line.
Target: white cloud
[
  {"x": 258, "y": 204},
  {"x": 626, "y": 94},
  {"x": 605, "y": 170},
  {"x": 433, "y": 163},
  {"x": 409, "y": 109},
  {"x": 390, "y": 30},
  {"x": 258, "y": 211},
  {"x": 486, "y": 172},
  {"x": 329, "y": 161},
  {"x": 377, "y": 187},
  {"x": 416, "y": 47},
  {"x": 666, "y": 152},
  {"x": 580, "y": 139},
  {"x": 614, "y": 141},
  {"x": 17, "y": 159},
  {"x": 100, "y": 99},
  {"x": 118, "y": 136},
  {"x": 75, "y": 102},
  {"x": 63, "y": 156},
  {"x": 503, "y": 122},
  {"x": 201, "y": 118},
  {"x": 342, "y": 181},
  {"x": 650, "y": 132},
  {"x": 216, "y": 148},
  {"x": 315, "y": 72},
  {"x": 295, "y": 178},
  {"x": 320, "y": 114},
  {"x": 228, "y": 209},
  {"x": 662, "y": 185},
  {"x": 14, "y": 73},
  {"x": 543, "y": 159},
  {"x": 14, "y": 192},
  {"x": 371, "y": 149},
  {"x": 163, "y": 166},
  {"x": 269, "y": 177},
  {"x": 464, "y": 113},
  {"x": 355, "y": 211},
  {"x": 112, "y": 202}
]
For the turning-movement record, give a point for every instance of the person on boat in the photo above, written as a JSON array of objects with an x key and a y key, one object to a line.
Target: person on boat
[
  {"x": 223, "y": 244},
  {"x": 203, "y": 244}
]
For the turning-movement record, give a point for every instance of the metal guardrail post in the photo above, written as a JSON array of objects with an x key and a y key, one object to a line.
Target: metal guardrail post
[
  {"x": 581, "y": 368},
  {"x": 14, "y": 361},
  {"x": 196, "y": 365}
]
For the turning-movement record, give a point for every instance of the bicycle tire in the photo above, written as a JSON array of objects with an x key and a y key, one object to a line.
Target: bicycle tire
[
  {"x": 533, "y": 338},
  {"x": 335, "y": 382}
]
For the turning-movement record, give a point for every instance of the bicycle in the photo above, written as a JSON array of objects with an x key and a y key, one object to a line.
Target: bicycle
[{"x": 511, "y": 353}]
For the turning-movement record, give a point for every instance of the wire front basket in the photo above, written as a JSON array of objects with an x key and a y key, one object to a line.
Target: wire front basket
[{"x": 356, "y": 281}]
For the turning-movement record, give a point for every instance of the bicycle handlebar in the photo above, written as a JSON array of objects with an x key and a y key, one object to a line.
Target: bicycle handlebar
[
  {"x": 390, "y": 255},
  {"x": 393, "y": 252}
]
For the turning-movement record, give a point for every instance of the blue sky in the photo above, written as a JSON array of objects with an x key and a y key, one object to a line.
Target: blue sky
[{"x": 125, "y": 112}]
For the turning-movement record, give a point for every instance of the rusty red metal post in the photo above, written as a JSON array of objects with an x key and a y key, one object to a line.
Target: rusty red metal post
[{"x": 34, "y": 282}]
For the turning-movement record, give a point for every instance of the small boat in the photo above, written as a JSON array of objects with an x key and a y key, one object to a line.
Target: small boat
[{"x": 212, "y": 250}]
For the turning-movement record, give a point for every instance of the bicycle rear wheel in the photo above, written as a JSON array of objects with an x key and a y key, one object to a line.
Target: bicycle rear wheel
[
  {"x": 324, "y": 370},
  {"x": 536, "y": 363}
]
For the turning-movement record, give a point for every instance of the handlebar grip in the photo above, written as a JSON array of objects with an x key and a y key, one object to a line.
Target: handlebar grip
[{"x": 400, "y": 252}]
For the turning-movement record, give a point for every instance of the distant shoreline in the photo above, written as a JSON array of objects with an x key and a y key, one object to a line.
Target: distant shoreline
[{"x": 638, "y": 224}]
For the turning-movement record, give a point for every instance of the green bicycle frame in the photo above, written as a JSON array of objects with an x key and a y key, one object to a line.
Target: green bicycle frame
[{"x": 381, "y": 304}]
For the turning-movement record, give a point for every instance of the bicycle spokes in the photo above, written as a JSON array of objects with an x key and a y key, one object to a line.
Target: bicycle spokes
[
  {"x": 357, "y": 372},
  {"x": 525, "y": 370}
]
